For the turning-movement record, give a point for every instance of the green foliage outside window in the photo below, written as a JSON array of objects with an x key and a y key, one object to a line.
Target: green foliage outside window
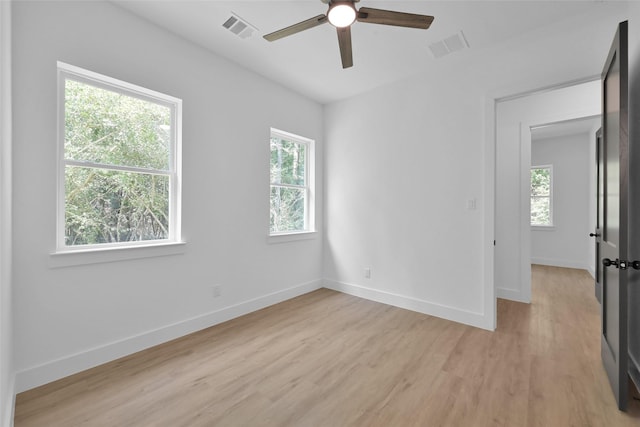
[
  {"x": 105, "y": 130},
  {"x": 541, "y": 196},
  {"x": 288, "y": 185}
]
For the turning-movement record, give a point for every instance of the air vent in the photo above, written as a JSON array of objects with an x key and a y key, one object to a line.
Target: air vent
[
  {"x": 449, "y": 45},
  {"x": 239, "y": 26}
]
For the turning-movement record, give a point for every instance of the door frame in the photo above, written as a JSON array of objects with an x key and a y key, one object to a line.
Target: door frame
[
  {"x": 597, "y": 273},
  {"x": 526, "y": 122},
  {"x": 525, "y": 183}
]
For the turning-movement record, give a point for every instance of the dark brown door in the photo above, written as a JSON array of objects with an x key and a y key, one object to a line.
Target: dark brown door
[
  {"x": 634, "y": 215},
  {"x": 599, "y": 208},
  {"x": 614, "y": 227}
]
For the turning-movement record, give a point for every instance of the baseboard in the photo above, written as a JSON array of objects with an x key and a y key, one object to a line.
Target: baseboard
[
  {"x": 478, "y": 320},
  {"x": 559, "y": 263},
  {"x": 54, "y": 370},
  {"x": 512, "y": 295}
]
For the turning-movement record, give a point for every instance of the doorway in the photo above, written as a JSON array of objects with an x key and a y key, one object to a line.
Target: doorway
[
  {"x": 563, "y": 203},
  {"x": 515, "y": 117}
]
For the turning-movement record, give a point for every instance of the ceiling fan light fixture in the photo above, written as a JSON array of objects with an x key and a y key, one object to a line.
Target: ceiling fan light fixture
[{"x": 341, "y": 14}]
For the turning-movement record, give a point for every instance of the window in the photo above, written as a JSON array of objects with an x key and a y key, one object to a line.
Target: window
[
  {"x": 119, "y": 157},
  {"x": 291, "y": 171},
  {"x": 542, "y": 196}
]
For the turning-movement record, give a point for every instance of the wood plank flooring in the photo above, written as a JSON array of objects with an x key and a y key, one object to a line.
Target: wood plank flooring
[{"x": 329, "y": 359}]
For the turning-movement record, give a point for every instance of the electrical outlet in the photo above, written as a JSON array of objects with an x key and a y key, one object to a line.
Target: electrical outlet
[
  {"x": 216, "y": 291},
  {"x": 367, "y": 273}
]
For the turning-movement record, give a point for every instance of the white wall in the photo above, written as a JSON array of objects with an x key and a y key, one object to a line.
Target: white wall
[
  {"x": 400, "y": 173},
  {"x": 567, "y": 243},
  {"x": 403, "y": 161},
  {"x": 513, "y": 153},
  {"x": 6, "y": 309},
  {"x": 70, "y": 318}
]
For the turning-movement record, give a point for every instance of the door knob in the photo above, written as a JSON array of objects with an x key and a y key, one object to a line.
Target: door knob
[
  {"x": 594, "y": 235},
  {"x": 621, "y": 264}
]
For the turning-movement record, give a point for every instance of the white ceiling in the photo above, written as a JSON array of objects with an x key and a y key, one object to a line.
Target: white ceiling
[{"x": 309, "y": 62}]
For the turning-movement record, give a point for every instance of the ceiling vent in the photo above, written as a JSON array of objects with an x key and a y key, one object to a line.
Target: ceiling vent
[
  {"x": 449, "y": 45},
  {"x": 239, "y": 26}
]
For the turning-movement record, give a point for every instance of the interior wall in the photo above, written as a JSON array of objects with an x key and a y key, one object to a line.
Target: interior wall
[
  {"x": 513, "y": 159},
  {"x": 6, "y": 309},
  {"x": 567, "y": 243},
  {"x": 406, "y": 163},
  {"x": 68, "y": 318},
  {"x": 398, "y": 194}
]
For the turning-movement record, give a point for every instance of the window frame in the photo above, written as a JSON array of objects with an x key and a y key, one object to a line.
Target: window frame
[
  {"x": 70, "y": 72},
  {"x": 309, "y": 187},
  {"x": 551, "y": 224}
]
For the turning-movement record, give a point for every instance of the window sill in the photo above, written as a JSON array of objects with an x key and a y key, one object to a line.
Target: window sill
[
  {"x": 543, "y": 228},
  {"x": 291, "y": 237},
  {"x": 102, "y": 255}
]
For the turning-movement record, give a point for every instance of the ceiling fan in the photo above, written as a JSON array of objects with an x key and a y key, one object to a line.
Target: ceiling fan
[{"x": 342, "y": 14}]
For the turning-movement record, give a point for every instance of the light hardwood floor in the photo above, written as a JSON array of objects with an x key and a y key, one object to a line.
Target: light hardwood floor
[{"x": 329, "y": 359}]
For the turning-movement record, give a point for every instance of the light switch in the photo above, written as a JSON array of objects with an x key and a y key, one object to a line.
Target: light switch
[{"x": 471, "y": 204}]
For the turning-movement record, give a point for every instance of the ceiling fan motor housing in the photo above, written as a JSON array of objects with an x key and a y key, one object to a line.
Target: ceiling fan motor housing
[
  {"x": 333, "y": 1},
  {"x": 342, "y": 13}
]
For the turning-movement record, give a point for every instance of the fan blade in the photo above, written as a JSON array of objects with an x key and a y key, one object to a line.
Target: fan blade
[
  {"x": 344, "y": 40},
  {"x": 389, "y": 17},
  {"x": 296, "y": 28}
]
